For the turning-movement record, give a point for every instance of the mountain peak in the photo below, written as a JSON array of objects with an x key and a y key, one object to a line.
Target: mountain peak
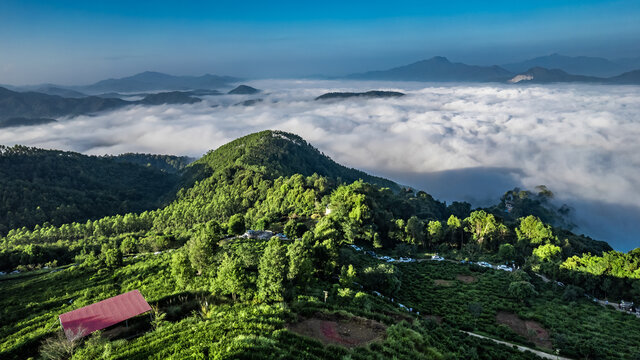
[
  {"x": 438, "y": 68},
  {"x": 276, "y": 153},
  {"x": 244, "y": 90},
  {"x": 441, "y": 59}
]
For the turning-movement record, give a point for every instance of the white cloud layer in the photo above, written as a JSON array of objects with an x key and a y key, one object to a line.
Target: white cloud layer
[{"x": 582, "y": 141}]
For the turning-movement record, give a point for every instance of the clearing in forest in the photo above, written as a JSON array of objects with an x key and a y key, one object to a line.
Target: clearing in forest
[
  {"x": 467, "y": 279},
  {"x": 349, "y": 331},
  {"x": 445, "y": 283},
  {"x": 529, "y": 329}
]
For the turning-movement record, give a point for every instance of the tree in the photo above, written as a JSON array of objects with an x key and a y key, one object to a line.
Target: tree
[
  {"x": 181, "y": 269},
  {"x": 522, "y": 290},
  {"x": 572, "y": 293},
  {"x": 453, "y": 225},
  {"x": 481, "y": 226},
  {"x": 548, "y": 253},
  {"x": 507, "y": 252},
  {"x": 382, "y": 277},
  {"x": 545, "y": 258},
  {"x": 300, "y": 255},
  {"x": 202, "y": 247},
  {"x": 520, "y": 275},
  {"x": 158, "y": 317},
  {"x": 459, "y": 209},
  {"x": 377, "y": 241},
  {"x": 128, "y": 245},
  {"x": 328, "y": 228},
  {"x": 236, "y": 225},
  {"x": 436, "y": 232},
  {"x": 415, "y": 230},
  {"x": 231, "y": 277},
  {"x": 112, "y": 257},
  {"x": 347, "y": 276},
  {"x": 272, "y": 271},
  {"x": 294, "y": 229},
  {"x": 59, "y": 346},
  {"x": 533, "y": 231}
]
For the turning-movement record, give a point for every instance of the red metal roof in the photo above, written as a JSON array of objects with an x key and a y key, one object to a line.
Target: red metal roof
[{"x": 84, "y": 321}]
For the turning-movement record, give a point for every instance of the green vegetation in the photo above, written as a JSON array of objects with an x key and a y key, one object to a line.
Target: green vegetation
[
  {"x": 168, "y": 163},
  {"x": 218, "y": 295},
  {"x": 55, "y": 187}
]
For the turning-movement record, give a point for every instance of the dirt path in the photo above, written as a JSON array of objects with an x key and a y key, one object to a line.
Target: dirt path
[
  {"x": 544, "y": 278},
  {"x": 521, "y": 348},
  {"x": 615, "y": 306}
]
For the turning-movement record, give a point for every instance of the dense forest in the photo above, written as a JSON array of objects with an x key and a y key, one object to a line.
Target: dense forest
[
  {"x": 218, "y": 295},
  {"x": 39, "y": 187},
  {"x": 168, "y": 163}
]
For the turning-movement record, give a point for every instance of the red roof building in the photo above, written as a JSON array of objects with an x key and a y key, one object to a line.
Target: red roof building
[{"x": 84, "y": 321}]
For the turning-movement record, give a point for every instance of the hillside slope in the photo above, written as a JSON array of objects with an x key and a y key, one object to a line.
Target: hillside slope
[
  {"x": 154, "y": 81},
  {"x": 38, "y": 186},
  {"x": 352, "y": 278},
  {"x": 276, "y": 153},
  {"x": 33, "y": 105}
]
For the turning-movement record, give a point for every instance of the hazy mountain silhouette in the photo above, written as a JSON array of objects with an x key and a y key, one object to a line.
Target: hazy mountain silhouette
[
  {"x": 244, "y": 90},
  {"x": 578, "y": 65},
  {"x": 540, "y": 75},
  {"x": 543, "y": 75},
  {"x": 29, "y": 108},
  {"x": 437, "y": 69},
  {"x": 59, "y": 91},
  {"x": 154, "y": 81},
  {"x": 630, "y": 77}
]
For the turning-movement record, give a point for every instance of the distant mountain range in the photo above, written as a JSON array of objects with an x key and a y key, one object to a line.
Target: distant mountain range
[
  {"x": 578, "y": 65},
  {"x": 437, "y": 69},
  {"x": 547, "y": 69},
  {"x": 148, "y": 81},
  {"x": 540, "y": 75},
  {"x": 155, "y": 81},
  {"x": 32, "y": 108}
]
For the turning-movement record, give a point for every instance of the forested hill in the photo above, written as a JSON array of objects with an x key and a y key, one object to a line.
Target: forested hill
[
  {"x": 347, "y": 253},
  {"x": 168, "y": 163},
  {"x": 46, "y": 186},
  {"x": 277, "y": 153}
]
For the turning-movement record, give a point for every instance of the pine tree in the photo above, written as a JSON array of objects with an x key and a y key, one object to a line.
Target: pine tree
[{"x": 272, "y": 271}]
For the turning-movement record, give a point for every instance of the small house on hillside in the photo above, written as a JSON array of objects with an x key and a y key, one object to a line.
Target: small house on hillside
[
  {"x": 258, "y": 234},
  {"x": 85, "y": 320}
]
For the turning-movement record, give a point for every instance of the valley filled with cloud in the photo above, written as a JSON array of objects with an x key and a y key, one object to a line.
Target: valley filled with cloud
[{"x": 466, "y": 142}]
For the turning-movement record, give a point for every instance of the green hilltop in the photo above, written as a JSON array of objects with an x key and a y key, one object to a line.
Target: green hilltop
[
  {"x": 277, "y": 153},
  {"x": 350, "y": 274}
]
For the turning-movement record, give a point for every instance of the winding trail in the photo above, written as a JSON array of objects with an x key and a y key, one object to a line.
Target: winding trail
[{"x": 521, "y": 348}]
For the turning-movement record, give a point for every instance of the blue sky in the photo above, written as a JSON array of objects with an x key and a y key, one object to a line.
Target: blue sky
[{"x": 74, "y": 42}]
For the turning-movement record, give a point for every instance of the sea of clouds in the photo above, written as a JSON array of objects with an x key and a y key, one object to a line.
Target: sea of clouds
[{"x": 455, "y": 141}]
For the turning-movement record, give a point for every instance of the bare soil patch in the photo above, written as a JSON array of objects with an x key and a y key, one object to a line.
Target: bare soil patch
[
  {"x": 445, "y": 283},
  {"x": 349, "y": 331},
  {"x": 467, "y": 279},
  {"x": 529, "y": 329}
]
